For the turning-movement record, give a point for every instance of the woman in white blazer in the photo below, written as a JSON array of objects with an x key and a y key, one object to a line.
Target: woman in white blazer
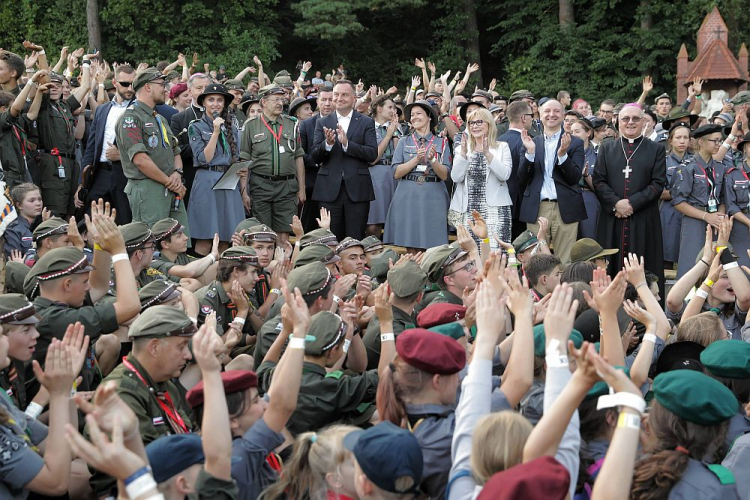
[{"x": 481, "y": 167}]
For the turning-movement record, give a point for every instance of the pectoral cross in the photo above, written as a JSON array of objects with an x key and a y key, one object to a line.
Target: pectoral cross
[{"x": 627, "y": 170}]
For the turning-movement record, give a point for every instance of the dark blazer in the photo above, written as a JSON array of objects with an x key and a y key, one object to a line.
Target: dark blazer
[
  {"x": 307, "y": 136},
  {"x": 95, "y": 143},
  {"x": 353, "y": 165},
  {"x": 513, "y": 139},
  {"x": 179, "y": 125},
  {"x": 566, "y": 177}
]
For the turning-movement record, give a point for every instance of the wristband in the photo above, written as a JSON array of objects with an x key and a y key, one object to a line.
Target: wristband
[
  {"x": 385, "y": 337},
  {"x": 97, "y": 246},
  {"x": 347, "y": 343},
  {"x": 701, "y": 293},
  {"x": 297, "y": 243},
  {"x": 40, "y": 52},
  {"x": 726, "y": 145},
  {"x": 542, "y": 242},
  {"x": 239, "y": 320},
  {"x": 511, "y": 250},
  {"x": 119, "y": 257},
  {"x": 627, "y": 399},
  {"x": 194, "y": 320},
  {"x": 414, "y": 89},
  {"x": 556, "y": 361},
  {"x": 731, "y": 138},
  {"x": 73, "y": 389},
  {"x": 486, "y": 240},
  {"x": 649, "y": 337},
  {"x": 731, "y": 265},
  {"x": 719, "y": 249},
  {"x": 698, "y": 96},
  {"x": 213, "y": 259},
  {"x": 708, "y": 282},
  {"x": 34, "y": 410},
  {"x": 141, "y": 486},
  {"x": 703, "y": 217},
  {"x": 86, "y": 62},
  {"x": 101, "y": 85},
  {"x": 707, "y": 264},
  {"x": 296, "y": 343},
  {"x": 276, "y": 291},
  {"x": 337, "y": 299},
  {"x": 143, "y": 471},
  {"x": 629, "y": 421}
]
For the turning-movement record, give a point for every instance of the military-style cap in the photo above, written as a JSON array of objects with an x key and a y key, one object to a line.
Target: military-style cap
[
  {"x": 165, "y": 228},
  {"x": 310, "y": 278},
  {"x": 540, "y": 340},
  {"x": 430, "y": 352},
  {"x": 160, "y": 322},
  {"x": 663, "y": 96},
  {"x": 524, "y": 241},
  {"x": 543, "y": 477},
  {"x": 158, "y": 292},
  {"x": 407, "y": 279},
  {"x": 295, "y": 104},
  {"x": 573, "y": 112},
  {"x": 316, "y": 253},
  {"x": 482, "y": 93},
  {"x": 247, "y": 100},
  {"x": 283, "y": 78},
  {"x": 728, "y": 358},
  {"x": 59, "y": 262},
  {"x": 587, "y": 249},
  {"x": 326, "y": 331},
  {"x": 109, "y": 85},
  {"x": 145, "y": 76},
  {"x": 440, "y": 314},
  {"x": 434, "y": 94},
  {"x": 241, "y": 254},
  {"x": 260, "y": 233},
  {"x": 385, "y": 453},
  {"x": 679, "y": 355},
  {"x": 521, "y": 94},
  {"x": 216, "y": 89},
  {"x": 323, "y": 236},
  {"x": 50, "y": 227},
  {"x": 542, "y": 101},
  {"x": 233, "y": 84},
  {"x": 695, "y": 397},
  {"x": 741, "y": 98},
  {"x": 171, "y": 455},
  {"x": 597, "y": 122},
  {"x": 743, "y": 142},
  {"x": 272, "y": 89},
  {"x": 56, "y": 77},
  {"x": 233, "y": 381},
  {"x": 15, "y": 309},
  {"x": 453, "y": 330},
  {"x": 172, "y": 75},
  {"x": 379, "y": 265},
  {"x": 246, "y": 224},
  {"x": 135, "y": 234},
  {"x": 709, "y": 129},
  {"x": 679, "y": 115},
  {"x": 439, "y": 259},
  {"x": 15, "y": 273},
  {"x": 495, "y": 109},
  {"x": 372, "y": 243},
  {"x": 348, "y": 243}
]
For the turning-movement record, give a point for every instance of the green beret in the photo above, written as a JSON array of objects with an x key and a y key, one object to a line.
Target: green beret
[
  {"x": 310, "y": 278},
  {"x": 601, "y": 388},
  {"x": 135, "y": 234},
  {"x": 453, "y": 330},
  {"x": 695, "y": 397},
  {"x": 540, "y": 340},
  {"x": 15, "y": 273},
  {"x": 372, "y": 243},
  {"x": 157, "y": 292},
  {"x": 379, "y": 265},
  {"x": 234, "y": 84},
  {"x": 246, "y": 224},
  {"x": 148, "y": 75},
  {"x": 322, "y": 236},
  {"x": 348, "y": 243},
  {"x": 242, "y": 254},
  {"x": 260, "y": 233},
  {"x": 271, "y": 89},
  {"x": 165, "y": 228},
  {"x": 524, "y": 241},
  {"x": 728, "y": 358},
  {"x": 50, "y": 227},
  {"x": 439, "y": 259},
  {"x": 316, "y": 253},
  {"x": 407, "y": 279},
  {"x": 160, "y": 322},
  {"x": 326, "y": 331},
  {"x": 15, "y": 309},
  {"x": 59, "y": 262}
]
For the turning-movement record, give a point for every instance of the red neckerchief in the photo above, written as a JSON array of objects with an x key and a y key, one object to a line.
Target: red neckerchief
[{"x": 332, "y": 495}]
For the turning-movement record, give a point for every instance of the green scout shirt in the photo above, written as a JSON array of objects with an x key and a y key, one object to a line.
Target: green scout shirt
[
  {"x": 437, "y": 297},
  {"x": 209, "y": 487},
  {"x": 266, "y": 337},
  {"x": 327, "y": 398},
  {"x": 141, "y": 129},
  {"x": 142, "y": 279},
  {"x": 12, "y": 140},
  {"x": 162, "y": 264},
  {"x": 56, "y": 124},
  {"x": 401, "y": 321},
  {"x": 260, "y": 145},
  {"x": 212, "y": 297},
  {"x": 15, "y": 388}
]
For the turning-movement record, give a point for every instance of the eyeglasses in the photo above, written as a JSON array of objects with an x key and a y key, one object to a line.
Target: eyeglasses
[
  {"x": 628, "y": 119},
  {"x": 468, "y": 267},
  {"x": 124, "y": 84},
  {"x": 275, "y": 99},
  {"x": 476, "y": 123}
]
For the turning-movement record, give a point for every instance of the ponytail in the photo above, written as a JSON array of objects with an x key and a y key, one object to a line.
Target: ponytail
[
  {"x": 397, "y": 382},
  {"x": 296, "y": 479},
  {"x": 229, "y": 121}
]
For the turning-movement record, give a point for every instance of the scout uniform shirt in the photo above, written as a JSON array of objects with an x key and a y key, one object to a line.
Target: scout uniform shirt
[
  {"x": 162, "y": 264},
  {"x": 212, "y": 297},
  {"x": 272, "y": 145},
  {"x": 700, "y": 184},
  {"x": 141, "y": 130},
  {"x": 401, "y": 321},
  {"x": 12, "y": 150}
]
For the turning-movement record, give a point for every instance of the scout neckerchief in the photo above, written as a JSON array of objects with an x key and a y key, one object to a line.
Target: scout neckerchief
[
  {"x": 420, "y": 144},
  {"x": 276, "y": 152},
  {"x": 712, "y": 180},
  {"x": 222, "y": 135},
  {"x": 164, "y": 135},
  {"x": 163, "y": 399}
]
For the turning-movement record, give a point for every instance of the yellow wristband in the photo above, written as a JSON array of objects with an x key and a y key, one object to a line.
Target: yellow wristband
[
  {"x": 511, "y": 250},
  {"x": 708, "y": 282},
  {"x": 629, "y": 421},
  {"x": 98, "y": 247},
  {"x": 486, "y": 240},
  {"x": 719, "y": 249}
]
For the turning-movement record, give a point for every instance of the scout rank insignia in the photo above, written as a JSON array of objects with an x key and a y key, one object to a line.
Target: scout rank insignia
[
  {"x": 128, "y": 122},
  {"x": 152, "y": 141}
]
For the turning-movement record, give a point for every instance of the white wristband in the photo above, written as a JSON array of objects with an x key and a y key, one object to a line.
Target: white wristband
[
  {"x": 726, "y": 145},
  {"x": 276, "y": 291},
  {"x": 239, "y": 320},
  {"x": 194, "y": 320},
  {"x": 296, "y": 343},
  {"x": 731, "y": 265},
  {"x": 211, "y": 256},
  {"x": 556, "y": 360},
  {"x": 553, "y": 348},
  {"x": 629, "y": 421},
  {"x": 40, "y": 52},
  {"x": 649, "y": 337},
  {"x": 119, "y": 257},
  {"x": 701, "y": 293},
  {"x": 385, "y": 337},
  {"x": 347, "y": 344},
  {"x": 337, "y": 299},
  {"x": 34, "y": 410},
  {"x": 141, "y": 486},
  {"x": 622, "y": 399}
]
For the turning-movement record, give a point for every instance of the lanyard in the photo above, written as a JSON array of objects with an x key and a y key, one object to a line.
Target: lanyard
[
  {"x": 174, "y": 418},
  {"x": 416, "y": 143},
  {"x": 56, "y": 107},
  {"x": 275, "y": 135},
  {"x": 744, "y": 174},
  {"x": 712, "y": 181},
  {"x": 20, "y": 140}
]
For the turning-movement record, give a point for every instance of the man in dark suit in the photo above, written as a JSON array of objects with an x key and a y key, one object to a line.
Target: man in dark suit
[
  {"x": 101, "y": 157},
  {"x": 520, "y": 117},
  {"x": 311, "y": 209},
  {"x": 345, "y": 146},
  {"x": 551, "y": 170},
  {"x": 179, "y": 125}
]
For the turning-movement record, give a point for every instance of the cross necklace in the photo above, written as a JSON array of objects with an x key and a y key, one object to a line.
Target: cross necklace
[{"x": 627, "y": 170}]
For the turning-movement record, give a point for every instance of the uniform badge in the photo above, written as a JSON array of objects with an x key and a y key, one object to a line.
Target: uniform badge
[
  {"x": 152, "y": 141},
  {"x": 279, "y": 326},
  {"x": 149, "y": 125},
  {"x": 259, "y": 137},
  {"x": 128, "y": 122},
  {"x": 211, "y": 293},
  {"x": 206, "y": 310},
  {"x": 158, "y": 421}
]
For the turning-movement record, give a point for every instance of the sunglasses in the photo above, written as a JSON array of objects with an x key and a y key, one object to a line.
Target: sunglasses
[{"x": 124, "y": 84}]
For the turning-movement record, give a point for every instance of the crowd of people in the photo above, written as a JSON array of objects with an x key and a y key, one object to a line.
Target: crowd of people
[{"x": 271, "y": 288}]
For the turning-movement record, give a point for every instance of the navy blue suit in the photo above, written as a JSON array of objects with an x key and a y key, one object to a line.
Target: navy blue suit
[
  {"x": 108, "y": 179},
  {"x": 311, "y": 209},
  {"x": 513, "y": 139}
]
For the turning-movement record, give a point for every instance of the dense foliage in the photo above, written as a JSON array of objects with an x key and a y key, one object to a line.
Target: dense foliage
[{"x": 605, "y": 53}]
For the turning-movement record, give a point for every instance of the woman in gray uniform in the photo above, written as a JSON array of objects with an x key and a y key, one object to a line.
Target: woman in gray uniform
[
  {"x": 671, "y": 220},
  {"x": 698, "y": 194},
  {"x": 737, "y": 199},
  {"x": 383, "y": 111}
]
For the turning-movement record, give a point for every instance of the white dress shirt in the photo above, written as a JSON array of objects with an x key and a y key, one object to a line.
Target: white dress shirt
[
  {"x": 549, "y": 191},
  {"x": 344, "y": 121},
  {"x": 115, "y": 112}
]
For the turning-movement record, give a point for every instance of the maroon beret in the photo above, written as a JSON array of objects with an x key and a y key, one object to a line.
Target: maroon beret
[
  {"x": 440, "y": 314},
  {"x": 544, "y": 477},
  {"x": 233, "y": 380},
  {"x": 430, "y": 351},
  {"x": 177, "y": 89}
]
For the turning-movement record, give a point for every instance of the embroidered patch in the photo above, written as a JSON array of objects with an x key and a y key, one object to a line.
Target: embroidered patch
[
  {"x": 206, "y": 310},
  {"x": 149, "y": 125},
  {"x": 279, "y": 326},
  {"x": 152, "y": 141},
  {"x": 158, "y": 420},
  {"x": 260, "y": 136},
  {"x": 128, "y": 125},
  {"x": 129, "y": 120},
  {"x": 211, "y": 293}
]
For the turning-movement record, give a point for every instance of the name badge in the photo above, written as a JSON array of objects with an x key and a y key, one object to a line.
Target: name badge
[
  {"x": 712, "y": 206},
  {"x": 282, "y": 150}
]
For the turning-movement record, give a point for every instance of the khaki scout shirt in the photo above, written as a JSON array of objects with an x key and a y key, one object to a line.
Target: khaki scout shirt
[
  {"x": 269, "y": 156},
  {"x": 141, "y": 130},
  {"x": 212, "y": 297}
]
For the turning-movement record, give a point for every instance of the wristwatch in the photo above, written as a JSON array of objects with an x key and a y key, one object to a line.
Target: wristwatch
[{"x": 180, "y": 171}]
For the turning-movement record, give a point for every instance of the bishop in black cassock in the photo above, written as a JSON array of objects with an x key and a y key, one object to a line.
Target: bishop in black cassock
[{"x": 631, "y": 168}]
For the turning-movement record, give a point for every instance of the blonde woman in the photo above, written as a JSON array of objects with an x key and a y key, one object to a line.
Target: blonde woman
[{"x": 481, "y": 168}]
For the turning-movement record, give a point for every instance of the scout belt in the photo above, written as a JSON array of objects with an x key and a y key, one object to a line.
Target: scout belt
[
  {"x": 216, "y": 168},
  {"x": 56, "y": 152},
  {"x": 421, "y": 179},
  {"x": 276, "y": 177}
]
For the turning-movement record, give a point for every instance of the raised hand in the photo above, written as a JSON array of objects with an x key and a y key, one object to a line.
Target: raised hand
[
  {"x": 325, "y": 219},
  {"x": 543, "y": 227},
  {"x": 477, "y": 225},
  {"x": 431, "y": 67},
  {"x": 344, "y": 284},
  {"x": 330, "y": 135},
  {"x": 490, "y": 311},
  {"x": 465, "y": 241},
  {"x": 383, "y": 307},
  {"x": 564, "y": 145},
  {"x": 415, "y": 82},
  {"x": 419, "y": 63},
  {"x": 472, "y": 68},
  {"x": 77, "y": 343},
  {"x": 635, "y": 269},
  {"x": 57, "y": 376},
  {"x": 648, "y": 85},
  {"x": 528, "y": 142},
  {"x": 561, "y": 313},
  {"x": 296, "y": 226},
  {"x": 205, "y": 345},
  {"x": 640, "y": 315}
]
